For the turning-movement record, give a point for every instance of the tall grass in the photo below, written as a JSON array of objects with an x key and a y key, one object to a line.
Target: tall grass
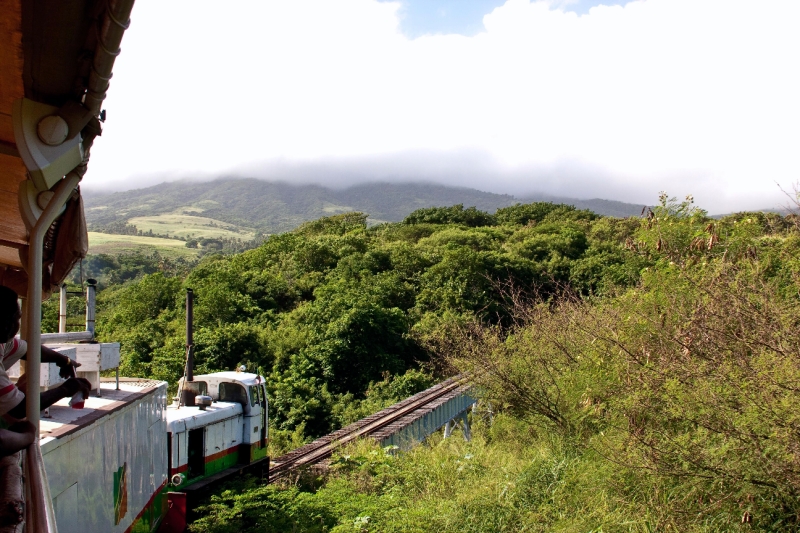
[{"x": 512, "y": 476}]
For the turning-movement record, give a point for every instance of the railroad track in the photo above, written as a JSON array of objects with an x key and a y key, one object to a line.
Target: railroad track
[{"x": 322, "y": 448}]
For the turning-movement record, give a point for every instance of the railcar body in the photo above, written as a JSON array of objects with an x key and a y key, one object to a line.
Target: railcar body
[
  {"x": 203, "y": 441},
  {"x": 106, "y": 464}
]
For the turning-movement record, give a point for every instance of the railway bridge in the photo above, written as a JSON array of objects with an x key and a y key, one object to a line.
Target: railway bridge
[{"x": 403, "y": 424}]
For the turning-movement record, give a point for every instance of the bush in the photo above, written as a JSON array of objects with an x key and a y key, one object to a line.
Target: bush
[{"x": 695, "y": 378}]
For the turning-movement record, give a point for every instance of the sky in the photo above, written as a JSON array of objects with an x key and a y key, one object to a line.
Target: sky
[{"x": 579, "y": 98}]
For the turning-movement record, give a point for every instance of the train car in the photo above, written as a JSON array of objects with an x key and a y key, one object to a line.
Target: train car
[
  {"x": 106, "y": 464},
  {"x": 112, "y": 465},
  {"x": 230, "y": 428}
]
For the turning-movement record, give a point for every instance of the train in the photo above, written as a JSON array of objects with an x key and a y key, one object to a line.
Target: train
[
  {"x": 117, "y": 464},
  {"x": 131, "y": 453},
  {"x": 232, "y": 428}
]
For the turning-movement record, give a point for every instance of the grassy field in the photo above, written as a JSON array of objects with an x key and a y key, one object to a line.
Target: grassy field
[
  {"x": 189, "y": 226},
  {"x": 333, "y": 209},
  {"x": 103, "y": 243}
]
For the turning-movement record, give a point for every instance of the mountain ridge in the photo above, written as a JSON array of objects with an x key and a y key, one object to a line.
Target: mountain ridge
[{"x": 272, "y": 207}]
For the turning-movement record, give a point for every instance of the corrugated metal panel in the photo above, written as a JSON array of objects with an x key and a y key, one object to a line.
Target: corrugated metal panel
[{"x": 116, "y": 455}]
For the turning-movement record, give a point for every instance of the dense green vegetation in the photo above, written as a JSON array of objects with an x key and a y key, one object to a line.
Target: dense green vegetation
[
  {"x": 333, "y": 306},
  {"x": 661, "y": 396},
  {"x": 645, "y": 371}
]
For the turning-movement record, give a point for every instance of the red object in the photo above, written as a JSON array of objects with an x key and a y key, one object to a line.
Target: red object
[
  {"x": 77, "y": 400},
  {"x": 175, "y": 521}
]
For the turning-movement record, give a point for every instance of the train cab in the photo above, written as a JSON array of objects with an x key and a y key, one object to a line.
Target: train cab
[{"x": 233, "y": 429}]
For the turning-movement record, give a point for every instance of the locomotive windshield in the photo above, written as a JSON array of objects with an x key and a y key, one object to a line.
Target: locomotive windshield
[{"x": 232, "y": 392}]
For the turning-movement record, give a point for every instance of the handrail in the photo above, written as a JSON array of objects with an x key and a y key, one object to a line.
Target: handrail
[{"x": 75, "y": 336}]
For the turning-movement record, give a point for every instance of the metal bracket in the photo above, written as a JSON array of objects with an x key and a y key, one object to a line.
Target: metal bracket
[{"x": 47, "y": 162}]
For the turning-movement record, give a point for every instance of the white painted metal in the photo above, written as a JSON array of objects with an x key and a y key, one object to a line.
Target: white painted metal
[
  {"x": 48, "y": 376},
  {"x": 186, "y": 418},
  {"x": 213, "y": 380},
  {"x": 415, "y": 427},
  {"x": 39, "y": 510},
  {"x": 215, "y": 419},
  {"x": 33, "y": 304},
  {"x": 46, "y": 164},
  {"x": 227, "y": 424},
  {"x": 93, "y": 358},
  {"x": 65, "y": 506},
  {"x": 81, "y": 466},
  {"x": 91, "y": 297},
  {"x": 74, "y": 336},
  {"x": 62, "y": 309}
]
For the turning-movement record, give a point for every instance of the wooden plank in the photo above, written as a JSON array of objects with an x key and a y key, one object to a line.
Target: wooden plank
[
  {"x": 12, "y": 173},
  {"x": 12, "y": 229},
  {"x": 6, "y": 127},
  {"x": 9, "y": 256},
  {"x": 11, "y": 56}
]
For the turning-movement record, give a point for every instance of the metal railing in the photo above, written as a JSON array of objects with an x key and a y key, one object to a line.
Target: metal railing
[{"x": 75, "y": 336}]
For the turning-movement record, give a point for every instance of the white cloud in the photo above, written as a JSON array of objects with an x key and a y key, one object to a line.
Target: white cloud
[{"x": 685, "y": 95}]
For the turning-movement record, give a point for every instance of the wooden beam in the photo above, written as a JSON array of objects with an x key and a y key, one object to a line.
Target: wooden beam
[
  {"x": 11, "y": 56},
  {"x": 10, "y": 256},
  {"x": 12, "y": 173},
  {"x": 6, "y": 127}
]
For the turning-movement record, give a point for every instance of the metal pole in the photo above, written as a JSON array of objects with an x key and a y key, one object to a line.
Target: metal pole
[
  {"x": 187, "y": 393},
  {"x": 41, "y": 507},
  {"x": 34, "y": 300},
  {"x": 91, "y": 295},
  {"x": 62, "y": 309},
  {"x": 189, "y": 335},
  {"x": 23, "y": 330}
]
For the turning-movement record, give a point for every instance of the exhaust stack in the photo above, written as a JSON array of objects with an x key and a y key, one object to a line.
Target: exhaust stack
[{"x": 189, "y": 391}]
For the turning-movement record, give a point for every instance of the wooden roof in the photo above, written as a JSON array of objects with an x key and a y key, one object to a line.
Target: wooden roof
[
  {"x": 51, "y": 52},
  {"x": 13, "y": 234}
]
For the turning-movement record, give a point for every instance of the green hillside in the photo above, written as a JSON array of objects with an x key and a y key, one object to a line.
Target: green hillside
[{"x": 273, "y": 207}]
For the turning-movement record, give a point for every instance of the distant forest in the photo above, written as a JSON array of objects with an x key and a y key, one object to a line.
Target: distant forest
[{"x": 274, "y": 207}]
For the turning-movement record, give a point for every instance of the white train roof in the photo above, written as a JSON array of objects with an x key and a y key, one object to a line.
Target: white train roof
[
  {"x": 180, "y": 419},
  {"x": 245, "y": 378}
]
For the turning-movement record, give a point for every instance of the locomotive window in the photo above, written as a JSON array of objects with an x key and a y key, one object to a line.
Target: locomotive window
[
  {"x": 253, "y": 395},
  {"x": 197, "y": 387},
  {"x": 231, "y": 392}
]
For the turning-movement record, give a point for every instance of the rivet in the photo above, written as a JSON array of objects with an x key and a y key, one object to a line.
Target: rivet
[{"x": 52, "y": 130}]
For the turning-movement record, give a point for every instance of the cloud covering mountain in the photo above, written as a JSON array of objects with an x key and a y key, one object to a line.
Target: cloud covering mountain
[{"x": 688, "y": 96}]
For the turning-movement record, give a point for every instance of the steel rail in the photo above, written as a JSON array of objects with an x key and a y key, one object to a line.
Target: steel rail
[{"x": 322, "y": 448}]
